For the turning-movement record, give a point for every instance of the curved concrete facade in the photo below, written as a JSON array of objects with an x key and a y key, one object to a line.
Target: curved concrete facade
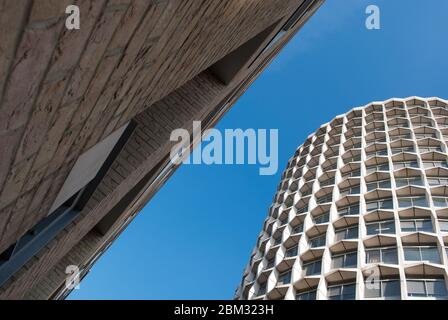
[{"x": 361, "y": 211}]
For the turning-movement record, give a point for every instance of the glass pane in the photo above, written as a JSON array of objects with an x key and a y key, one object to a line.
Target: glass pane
[
  {"x": 439, "y": 202},
  {"x": 285, "y": 278},
  {"x": 317, "y": 267},
  {"x": 386, "y": 204},
  {"x": 348, "y": 292},
  {"x": 412, "y": 254},
  {"x": 354, "y": 210},
  {"x": 371, "y": 206},
  {"x": 426, "y": 225},
  {"x": 352, "y": 233},
  {"x": 407, "y": 226},
  {"x": 340, "y": 235},
  {"x": 292, "y": 252},
  {"x": 388, "y": 227},
  {"x": 428, "y": 165},
  {"x": 334, "y": 291},
  {"x": 384, "y": 184},
  {"x": 338, "y": 262},
  {"x": 401, "y": 182},
  {"x": 311, "y": 295},
  {"x": 416, "y": 288},
  {"x": 421, "y": 202},
  {"x": 436, "y": 288},
  {"x": 443, "y": 226},
  {"x": 430, "y": 254},
  {"x": 373, "y": 228},
  {"x": 373, "y": 256},
  {"x": 298, "y": 229},
  {"x": 390, "y": 256},
  {"x": 404, "y": 202},
  {"x": 391, "y": 288},
  {"x": 351, "y": 260}
]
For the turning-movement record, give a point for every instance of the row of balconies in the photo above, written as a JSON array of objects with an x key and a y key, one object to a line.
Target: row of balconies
[
  {"x": 354, "y": 117},
  {"x": 375, "y": 172},
  {"x": 414, "y": 261},
  {"x": 320, "y": 230},
  {"x": 387, "y": 288},
  {"x": 405, "y": 149},
  {"x": 351, "y": 146},
  {"x": 409, "y": 255},
  {"x": 334, "y": 135}
]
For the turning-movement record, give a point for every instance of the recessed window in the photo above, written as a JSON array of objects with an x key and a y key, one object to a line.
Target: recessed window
[
  {"x": 292, "y": 252},
  {"x": 425, "y": 135},
  {"x": 419, "y": 201},
  {"x": 312, "y": 268},
  {"x": 382, "y": 204},
  {"x": 434, "y": 164},
  {"x": 424, "y": 254},
  {"x": 377, "y": 153},
  {"x": 325, "y": 199},
  {"x": 405, "y": 164},
  {"x": 413, "y": 181},
  {"x": 346, "y": 233},
  {"x": 403, "y": 149},
  {"x": 271, "y": 263},
  {"x": 415, "y": 225},
  {"x": 349, "y": 210},
  {"x": 307, "y": 295},
  {"x": 376, "y": 168},
  {"x": 381, "y": 184},
  {"x": 262, "y": 289},
  {"x": 381, "y": 227},
  {"x": 382, "y": 255},
  {"x": 298, "y": 229},
  {"x": 387, "y": 289},
  {"x": 440, "y": 202},
  {"x": 322, "y": 218},
  {"x": 402, "y": 136},
  {"x": 318, "y": 241},
  {"x": 346, "y": 260},
  {"x": 342, "y": 292},
  {"x": 426, "y": 288},
  {"x": 434, "y": 181},
  {"x": 351, "y": 174},
  {"x": 284, "y": 278},
  {"x": 443, "y": 225},
  {"x": 330, "y": 181},
  {"x": 302, "y": 209},
  {"x": 430, "y": 149},
  {"x": 350, "y": 190}
]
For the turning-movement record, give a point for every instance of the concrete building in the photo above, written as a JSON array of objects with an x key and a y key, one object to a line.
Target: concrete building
[
  {"x": 361, "y": 211},
  {"x": 86, "y": 115}
]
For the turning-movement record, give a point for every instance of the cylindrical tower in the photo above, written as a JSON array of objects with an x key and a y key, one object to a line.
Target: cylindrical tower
[{"x": 361, "y": 211}]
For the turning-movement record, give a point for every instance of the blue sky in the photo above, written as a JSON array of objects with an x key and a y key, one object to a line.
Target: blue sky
[{"x": 194, "y": 238}]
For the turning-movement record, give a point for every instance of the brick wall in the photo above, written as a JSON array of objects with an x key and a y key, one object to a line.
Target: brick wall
[
  {"x": 146, "y": 147},
  {"x": 65, "y": 90}
]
